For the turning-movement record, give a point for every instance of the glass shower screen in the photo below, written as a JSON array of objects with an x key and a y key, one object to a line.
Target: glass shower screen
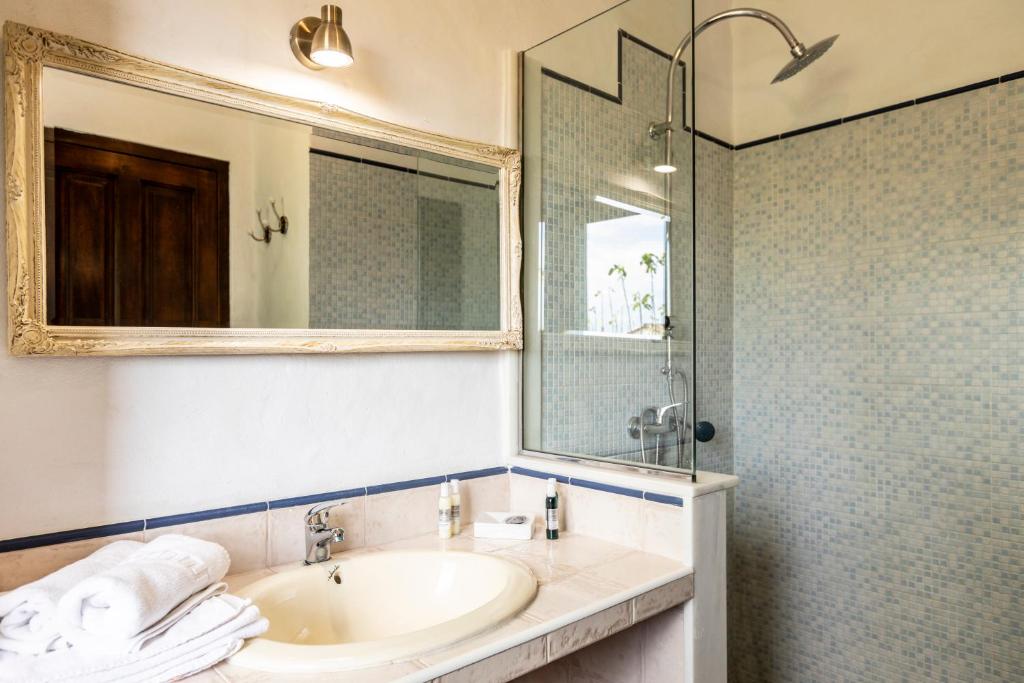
[{"x": 608, "y": 366}]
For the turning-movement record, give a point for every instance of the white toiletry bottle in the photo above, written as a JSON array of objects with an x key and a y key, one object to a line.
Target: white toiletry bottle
[
  {"x": 456, "y": 507},
  {"x": 444, "y": 513},
  {"x": 551, "y": 509}
]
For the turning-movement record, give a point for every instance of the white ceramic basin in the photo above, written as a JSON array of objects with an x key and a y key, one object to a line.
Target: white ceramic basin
[{"x": 389, "y": 606}]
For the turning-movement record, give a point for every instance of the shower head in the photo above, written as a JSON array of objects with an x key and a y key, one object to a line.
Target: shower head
[{"x": 802, "y": 58}]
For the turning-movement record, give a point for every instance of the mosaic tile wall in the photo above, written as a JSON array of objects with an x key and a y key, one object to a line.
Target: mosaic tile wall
[
  {"x": 383, "y": 249},
  {"x": 478, "y": 295},
  {"x": 593, "y": 384},
  {"x": 878, "y": 532}
]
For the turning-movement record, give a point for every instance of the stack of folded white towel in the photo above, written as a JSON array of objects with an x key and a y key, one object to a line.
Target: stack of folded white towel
[{"x": 128, "y": 612}]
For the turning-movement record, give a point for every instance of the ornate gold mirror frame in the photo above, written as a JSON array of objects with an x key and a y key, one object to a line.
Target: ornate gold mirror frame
[{"x": 30, "y": 49}]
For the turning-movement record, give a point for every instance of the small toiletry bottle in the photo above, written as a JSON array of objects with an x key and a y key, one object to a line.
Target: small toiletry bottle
[
  {"x": 444, "y": 513},
  {"x": 456, "y": 507},
  {"x": 551, "y": 508}
]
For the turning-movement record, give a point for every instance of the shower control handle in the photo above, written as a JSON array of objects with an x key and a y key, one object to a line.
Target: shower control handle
[{"x": 704, "y": 432}]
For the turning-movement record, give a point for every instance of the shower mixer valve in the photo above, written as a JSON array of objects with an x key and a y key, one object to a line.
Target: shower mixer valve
[{"x": 653, "y": 421}]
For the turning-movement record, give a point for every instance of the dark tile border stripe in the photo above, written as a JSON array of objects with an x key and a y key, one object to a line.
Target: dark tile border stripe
[
  {"x": 881, "y": 110},
  {"x": 810, "y": 129},
  {"x": 580, "y": 85},
  {"x": 662, "y": 498},
  {"x": 317, "y": 498},
  {"x": 606, "y": 488},
  {"x": 778, "y": 136},
  {"x": 712, "y": 138},
  {"x": 404, "y": 485},
  {"x": 399, "y": 169},
  {"x": 599, "y": 486},
  {"x": 617, "y": 98},
  {"x": 476, "y": 474},
  {"x": 204, "y": 515},
  {"x": 57, "y": 537},
  {"x": 957, "y": 91},
  {"x": 27, "y": 542},
  {"x": 536, "y": 474}
]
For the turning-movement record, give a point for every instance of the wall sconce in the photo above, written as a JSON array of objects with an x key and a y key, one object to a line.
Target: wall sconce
[{"x": 320, "y": 43}]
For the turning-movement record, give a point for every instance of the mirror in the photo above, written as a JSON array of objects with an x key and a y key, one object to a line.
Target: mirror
[
  {"x": 177, "y": 213},
  {"x": 163, "y": 211}
]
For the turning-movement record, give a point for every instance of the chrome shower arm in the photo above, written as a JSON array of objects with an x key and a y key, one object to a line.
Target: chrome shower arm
[{"x": 796, "y": 48}]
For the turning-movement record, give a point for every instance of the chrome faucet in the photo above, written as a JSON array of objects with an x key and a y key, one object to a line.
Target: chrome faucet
[
  {"x": 320, "y": 534},
  {"x": 659, "y": 426}
]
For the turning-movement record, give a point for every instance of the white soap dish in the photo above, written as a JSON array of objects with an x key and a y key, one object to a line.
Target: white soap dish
[{"x": 508, "y": 525}]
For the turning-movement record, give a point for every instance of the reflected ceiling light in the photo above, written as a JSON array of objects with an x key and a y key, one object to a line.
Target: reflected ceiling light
[
  {"x": 320, "y": 43},
  {"x": 665, "y": 168},
  {"x": 629, "y": 207}
]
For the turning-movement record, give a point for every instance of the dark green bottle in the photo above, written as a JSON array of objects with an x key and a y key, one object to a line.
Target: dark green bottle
[{"x": 551, "y": 510}]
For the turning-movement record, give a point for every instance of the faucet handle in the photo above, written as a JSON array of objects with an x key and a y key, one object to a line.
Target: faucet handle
[
  {"x": 318, "y": 516},
  {"x": 665, "y": 409}
]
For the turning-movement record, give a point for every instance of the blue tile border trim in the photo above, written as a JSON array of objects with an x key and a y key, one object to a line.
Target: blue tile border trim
[
  {"x": 27, "y": 542},
  {"x": 54, "y": 538},
  {"x": 203, "y": 515},
  {"x": 599, "y": 486},
  {"x": 607, "y": 488},
  {"x": 317, "y": 498},
  {"x": 662, "y": 498},
  {"x": 476, "y": 474},
  {"x": 403, "y": 485},
  {"x": 536, "y": 474}
]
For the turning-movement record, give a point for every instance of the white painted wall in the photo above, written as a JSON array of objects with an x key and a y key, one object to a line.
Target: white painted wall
[
  {"x": 93, "y": 441},
  {"x": 281, "y": 152},
  {"x": 887, "y": 52}
]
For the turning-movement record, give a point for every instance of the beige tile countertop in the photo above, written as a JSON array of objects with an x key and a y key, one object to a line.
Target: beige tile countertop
[{"x": 587, "y": 590}]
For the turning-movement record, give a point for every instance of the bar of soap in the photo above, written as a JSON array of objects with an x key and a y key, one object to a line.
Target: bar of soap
[{"x": 509, "y": 525}]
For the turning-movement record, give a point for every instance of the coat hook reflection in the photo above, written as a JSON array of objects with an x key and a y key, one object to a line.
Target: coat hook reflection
[
  {"x": 264, "y": 226},
  {"x": 282, "y": 220}
]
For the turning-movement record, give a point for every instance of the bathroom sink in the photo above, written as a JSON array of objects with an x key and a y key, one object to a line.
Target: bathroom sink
[{"x": 380, "y": 607}]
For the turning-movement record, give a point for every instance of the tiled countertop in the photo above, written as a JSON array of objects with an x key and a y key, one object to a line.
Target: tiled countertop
[{"x": 588, "y": 589}]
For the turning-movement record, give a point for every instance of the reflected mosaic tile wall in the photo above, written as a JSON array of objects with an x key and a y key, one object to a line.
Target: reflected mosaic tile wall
[
  {"x": 878, "y": 532},
  {"x": 396, "y": 250},
  {"x": 593, "y": 384}
]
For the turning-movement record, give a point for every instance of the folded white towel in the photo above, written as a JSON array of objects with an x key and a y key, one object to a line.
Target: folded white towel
[
  {"x": 125, "y": 600},
  {"x": 212, "y": 631},
  {"x": 28, "y": 622},
  {"x": 88, "y": 642}
]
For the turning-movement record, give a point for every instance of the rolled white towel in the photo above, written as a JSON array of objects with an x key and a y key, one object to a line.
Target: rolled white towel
[
  {"x": 123, "y": 601},
  {"x": 28, "y": 615},
  {"x": 86, "y": 642}
]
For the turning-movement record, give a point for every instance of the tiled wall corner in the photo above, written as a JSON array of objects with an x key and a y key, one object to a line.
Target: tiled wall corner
[
  {"x": 403, "y": 514},
  {"x": 654, "y": 527}
]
